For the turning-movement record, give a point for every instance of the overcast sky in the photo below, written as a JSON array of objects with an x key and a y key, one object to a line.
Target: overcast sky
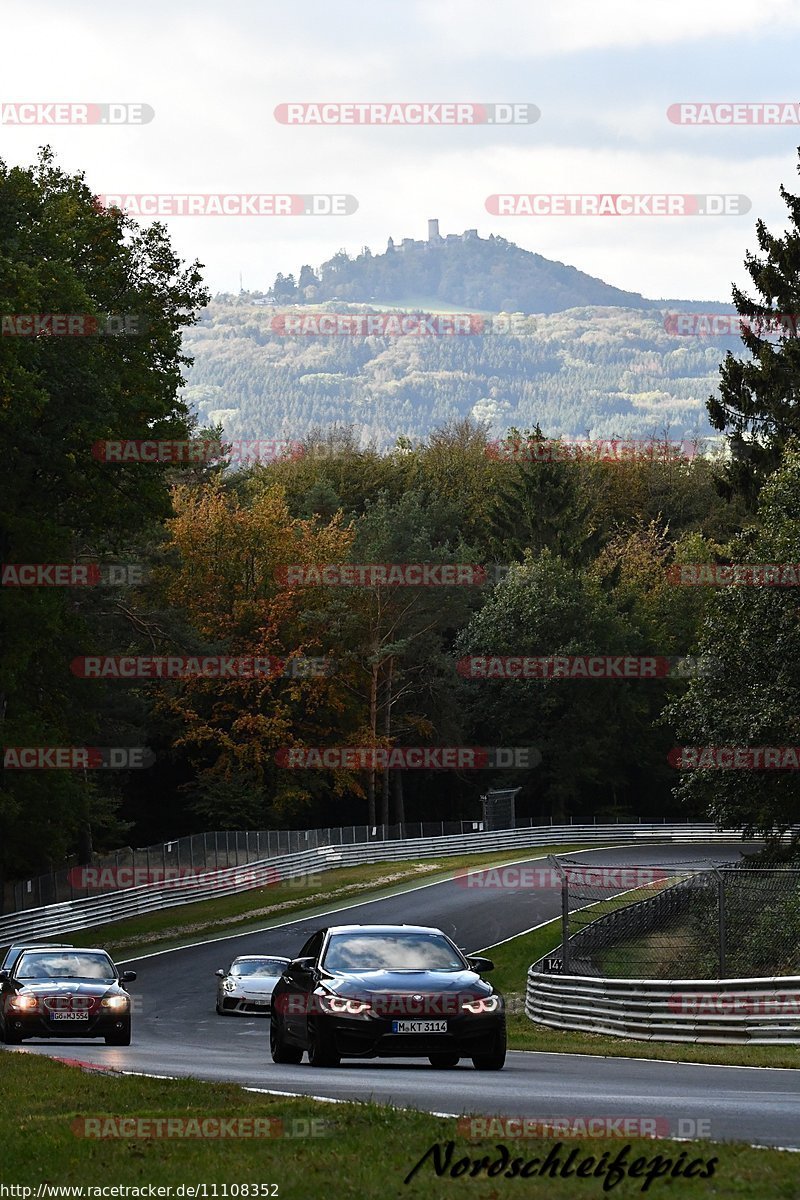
[{"x": 602, "y": 72}]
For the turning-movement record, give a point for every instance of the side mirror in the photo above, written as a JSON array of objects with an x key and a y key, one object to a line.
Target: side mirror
[
  {"x": 220, "y": 973},
  {"x": 480, "y": 964},
  {"x": 301, "y": 966},
  {"x": 3, "y": 976},
  {"x": 127, "y": 976}
]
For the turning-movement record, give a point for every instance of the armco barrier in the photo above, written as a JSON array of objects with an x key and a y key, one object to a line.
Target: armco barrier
[
  {"x": 717, "y": 1011},
  {"x": 132, "y": 902}
]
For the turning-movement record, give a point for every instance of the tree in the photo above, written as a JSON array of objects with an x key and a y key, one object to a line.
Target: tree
[
  {"x": 541, "y": 503},
  {"x": 759, "y": 401},
  {"x": 226, "y": 584},
  {"x": 61, "y": 253},
  {"x": 746, "y": 693},
  {"x": 589, "y": 732}
]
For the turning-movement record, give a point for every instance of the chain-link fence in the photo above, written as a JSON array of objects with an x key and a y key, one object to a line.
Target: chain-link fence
[
  {"x": 677, "y": 921},
  {"x": 213, "y": 851},
  {"x": 199, "y": 852}
]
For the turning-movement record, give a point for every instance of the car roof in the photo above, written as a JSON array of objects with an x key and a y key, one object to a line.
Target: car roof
[
  {"x": 383, "y": 929},
  {"x": 258, "y": 957},
  {"x": 77, "y": 949},
  {"x": 40, "y": 946}
]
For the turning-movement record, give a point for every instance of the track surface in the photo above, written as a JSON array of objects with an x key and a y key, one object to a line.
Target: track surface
[{"x": 176, "y": 1031}]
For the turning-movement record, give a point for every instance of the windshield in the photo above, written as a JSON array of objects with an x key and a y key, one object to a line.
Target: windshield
[
  {"x": 260, "y": 966},
  {"x": 391, "y": 952},
  {"x": 57, "y": 965}
]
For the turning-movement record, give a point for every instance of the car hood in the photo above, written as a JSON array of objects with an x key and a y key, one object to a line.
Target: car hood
[
  {"x": 402, "y": 983},
  {"x": 254, "y": 983},
  {"x": 72, "y": 987}
]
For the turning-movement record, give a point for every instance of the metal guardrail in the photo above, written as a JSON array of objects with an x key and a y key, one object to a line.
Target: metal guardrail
[
  {"x": 718, "y": 1011},
  {"x": 72, "y": 915}
]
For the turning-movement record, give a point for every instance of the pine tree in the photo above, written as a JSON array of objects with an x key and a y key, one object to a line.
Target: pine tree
[{"x": 759, "y": 401}]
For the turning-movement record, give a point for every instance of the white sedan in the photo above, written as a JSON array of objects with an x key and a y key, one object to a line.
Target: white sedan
[{"x": 246, "y": 986}]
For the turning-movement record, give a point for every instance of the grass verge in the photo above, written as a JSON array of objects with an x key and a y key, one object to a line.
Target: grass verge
[
  {"x": 512, "y": 960},
  {"x": 365, "y": 1150}
]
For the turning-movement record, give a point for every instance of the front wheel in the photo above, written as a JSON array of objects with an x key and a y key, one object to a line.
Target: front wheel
[
  {"x": 493, "y": 1057},
  {"x": 321, "y": 1051},
  {"x": 280, "y": 1050}
]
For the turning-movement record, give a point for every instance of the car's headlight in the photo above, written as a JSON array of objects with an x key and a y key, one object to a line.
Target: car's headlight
[
  {"x": 229, "y": 985},
  {"x": 24, "y": 1002},
  {"x": 115, "y": 1001},
  {"x": 482, "y": 1004},
  {"x": 341, "y": 1005}
]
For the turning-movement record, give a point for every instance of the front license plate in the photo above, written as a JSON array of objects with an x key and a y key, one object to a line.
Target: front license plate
[
  {"x": 419, "y": 1026},
  {"x": 69, "y": 1016}
]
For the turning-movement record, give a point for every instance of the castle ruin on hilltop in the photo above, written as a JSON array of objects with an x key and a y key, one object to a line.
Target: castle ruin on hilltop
[{"x": 435, "y": 239}]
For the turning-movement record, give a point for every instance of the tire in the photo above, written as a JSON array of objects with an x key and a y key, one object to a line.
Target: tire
[
  {"x": 121, "y": 1037},
  {"x": 280, "y": 1050},
  {"x": 321, "y": 1052},
  {"x": 11, "y": 1037},
  {"x": 494, "y": 1057},
  {"x": 221, "y": 1012},
  {"x": 444, "y": 1061}
]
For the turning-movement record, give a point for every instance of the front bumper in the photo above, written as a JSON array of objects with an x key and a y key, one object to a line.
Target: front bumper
[
  {"x": 373, "y": 1037},
  {"x": 36, "y": 1025},
  {"x": 252, "y": 1005}
]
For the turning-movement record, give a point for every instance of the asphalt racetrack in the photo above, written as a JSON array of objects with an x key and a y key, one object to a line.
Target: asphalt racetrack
[{"x": 177, "y": 1032}]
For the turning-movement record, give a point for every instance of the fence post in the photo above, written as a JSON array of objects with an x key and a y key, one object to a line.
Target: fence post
[
  {"x": 722, "y": 924},
  {"x": 564, "y": 925},
  {"x": 556, "y": 866}
]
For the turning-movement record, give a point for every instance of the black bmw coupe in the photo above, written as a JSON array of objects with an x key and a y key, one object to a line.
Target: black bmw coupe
[{"x": 386, "y": 991}]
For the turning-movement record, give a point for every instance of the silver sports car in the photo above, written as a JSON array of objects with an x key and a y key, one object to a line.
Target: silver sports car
[{"x": 246, "y": 986}]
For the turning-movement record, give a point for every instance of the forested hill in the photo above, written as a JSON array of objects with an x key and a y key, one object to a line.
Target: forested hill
[{"x": 489, "y": 274}]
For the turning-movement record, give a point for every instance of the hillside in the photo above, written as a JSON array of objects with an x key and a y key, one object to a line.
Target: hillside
[
  {"x": 590, "y": 370},
  {"x": 464, "y": 270}
]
